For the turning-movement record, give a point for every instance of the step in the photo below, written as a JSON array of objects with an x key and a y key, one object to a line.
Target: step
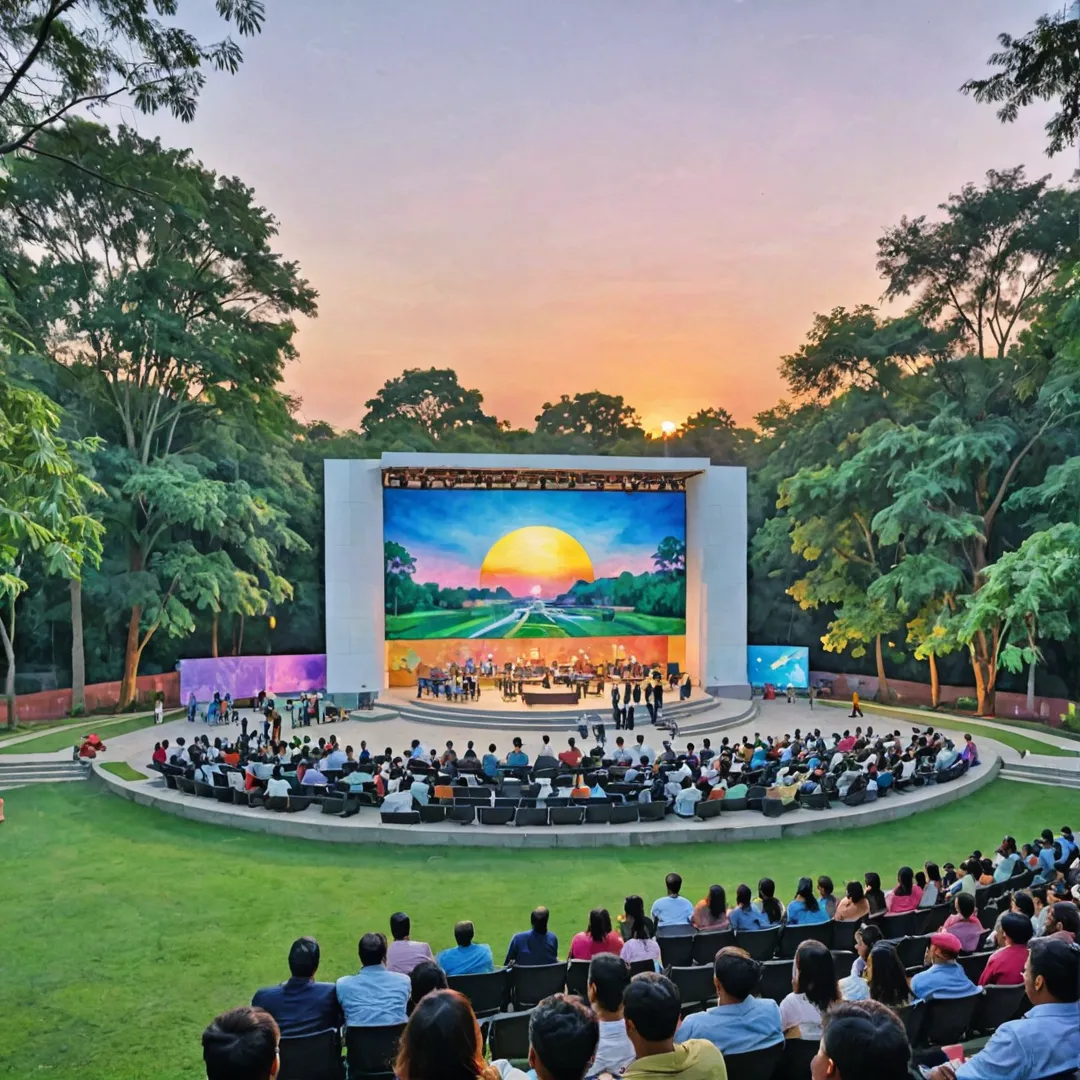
[
  {"x": 1072, "y": 784},
  {"x": 559, "y": 719},
  {"x": 1042, "y": 771},
  {"x": 43, "y": 766},
  {"x": 40, "y": 778}
]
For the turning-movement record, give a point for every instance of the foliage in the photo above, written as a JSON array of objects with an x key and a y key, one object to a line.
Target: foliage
[
  {"x": 431, "y": 402},
  {"x": 604, "y": 419}
]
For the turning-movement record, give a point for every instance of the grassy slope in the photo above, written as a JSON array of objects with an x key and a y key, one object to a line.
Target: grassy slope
[
  {"x": 135, "y": 928},
  {"x": 62, "y": 740}
]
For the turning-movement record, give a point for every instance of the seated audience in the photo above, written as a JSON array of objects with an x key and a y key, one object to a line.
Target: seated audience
[
  {"x": 853, "y": 906},
  {"x": 300, "y": 1005},
  {"x": 862, "y": 1039},
  {"x": 609, "y": 976},
  {"x": 1006, "y": 966},
  {"x": 740, "y": 1022},
  {"x": 466, "y": 958},
  {"x": 826, "y": 895},
  {"x": 277, "y": 786},
  {"x": 744, "y": 916},
  {"x": 651, "y": 1009},
  {"x": 241, "y": 1044},
  {"x": 633, "y": 911},
  {"x": 374, "y": 996},
  {"x": 442, "y": 1039},
  {"x": 964, "y": 924},
  {"x": 805, "y": 908},
  {"x": 404, "y": 954},
  {"x": 423, "y": 979},
  {"x": 884, "y": 979},
  {"x": 933, "y": 888},
  {"x": 711, "y": 913},
  {"x": 767, "y": 903},
  {"x": 1062, "y": 922},
  {"x": 1045, "y": 1042},
  {"x": 641, "y": 944},
  {"x": 598, "y": 938},
  {"x": 534, "y": 947},
  {"x": 673, "y": 909},
  {"x": 906, "y": 895},
  {"x": 814, "y": 991},
  {"x": 944, "y": 978},
  {"x": 874, "y": 896},
  {"x": 563, "y": 1036}
]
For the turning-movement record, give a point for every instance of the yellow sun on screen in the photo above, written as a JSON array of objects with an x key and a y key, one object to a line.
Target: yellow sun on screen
[{"x": 538, "y": 560}]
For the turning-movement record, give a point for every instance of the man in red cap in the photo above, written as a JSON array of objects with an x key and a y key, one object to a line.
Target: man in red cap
[{"x": 945, "y": 978}]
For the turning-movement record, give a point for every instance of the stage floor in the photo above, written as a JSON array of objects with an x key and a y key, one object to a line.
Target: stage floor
[{"x": 491, "y": 700}]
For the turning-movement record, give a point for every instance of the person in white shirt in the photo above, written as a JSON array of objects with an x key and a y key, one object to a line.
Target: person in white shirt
[
  {"x": 621, "y": 756},
  {"x": 686, "y": 799},
  {"x": 644, "y": 751},
  {"x": 276, "y": 786},
  {"x": 159, "y": 711},
  {"x": 609, "y": 976}
]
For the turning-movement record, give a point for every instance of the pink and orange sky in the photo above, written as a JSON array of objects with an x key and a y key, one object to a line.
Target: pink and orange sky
[{"x": 650, "y": 198}]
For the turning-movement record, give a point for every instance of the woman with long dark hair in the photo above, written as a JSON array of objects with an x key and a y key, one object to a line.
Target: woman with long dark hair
[
  {"x": 874, "y": 896},
  {"x": 906, "y": 895},
  {"x": 854, "y": 905},
  {"x": 634, "y": 913},
  {"x": 641, "y": 943},
  {"x": 805, "y": 908},
  {"x": 933, "y": 889},
  {"x": 711, "y": 913},
  {"x": 767, "y": 904},
  {"x": 442, "y": 1041},
  {"x": 886, "y": 977},
  {"x": 598, "y": 938},
  {"x": 814, "y": 991}
]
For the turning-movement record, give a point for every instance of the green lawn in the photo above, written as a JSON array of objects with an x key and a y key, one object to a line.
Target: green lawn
[
  {"x": 135, "y": 928},
  {"x": 100, "y": 719},
  {"x": 62, "y": 740},
  {"x": 123, "y": 770}
]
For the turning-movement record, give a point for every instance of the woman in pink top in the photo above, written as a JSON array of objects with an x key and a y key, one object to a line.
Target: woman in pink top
[
  {"x": 599, "y": 938},
  {"x": 641, "y": 945},
  {"x": 906, "y": 895}
]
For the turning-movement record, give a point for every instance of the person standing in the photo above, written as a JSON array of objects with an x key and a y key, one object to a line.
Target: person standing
[
  {"x": 159, "y": 711},
  {"x": 855, "y": 710}
]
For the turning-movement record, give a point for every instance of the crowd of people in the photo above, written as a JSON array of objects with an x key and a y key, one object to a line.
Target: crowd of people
[
  {"x": 861, "y": 764},
  {"x": 634, "y": 1025}
]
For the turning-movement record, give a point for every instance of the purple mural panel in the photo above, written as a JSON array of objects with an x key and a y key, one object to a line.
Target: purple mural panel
[{"x": 245, "y": 676}]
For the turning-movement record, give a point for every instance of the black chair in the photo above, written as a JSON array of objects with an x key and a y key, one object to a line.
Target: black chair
[
  {"x": 988, "y": 917},
  {"x": 598, "y": 813},
  {"x": 733, "y": 804},
  {"x": 508, "y": 1035},
  {"x": 488, "y": 993},
  {"x": 205, "y": 791},
  {"x": 817, "y": 801},
  {"x": 755, "y": 1065},
  {"x": 760, "y": 944},
  {"x": 170, "y": 781},
  {"x": 983, "y": 894},
  {"x": 651, "y": 811},
  {"x": 496, "y": 815},
  {"x": 912, "y": 951},
  {"x": 529, "y": 985},
  {"x": 843, "y": 935},
  {"x": 400, "y": 817},
  {"x": 240, "y": 798},
  {"x": 624, "y": 813},
  {"x": 463, "y": 815},
  {"x": 710, "y": 808},
  {"x": 776, "y": 978},
  {"x": 795, "y": 1063},
  {"x": 843, "y": 959},
  {"x": 793, "y": 936},
  {"x": 311, "y": 1057},
  {"x": 998, "y": 1005},
  {"x": 938, "y": 914},
  {"x": 432, "y": 814},
  {"x": 370, "y": 1051},
  {"x": 973, "y": 964},
  {"x": 676, "y": 950},
  {"x": 695, "y": 983},
  {"x": 335, "y": 804},
  {"x": 567, "y": 815},
  {"x": 577, "y": 978},
  {"x": 222, "y": 792},
  {"x": 895, "y": 927},
  {"x": 280, "y": 803},
  {"x": 709, "y": 943},
  {"x": 299, "y": 802},
  {"x": 945, "y": 1021},
  {"x": 537, "y": 815},
  {"x": 638, "y": 967}
]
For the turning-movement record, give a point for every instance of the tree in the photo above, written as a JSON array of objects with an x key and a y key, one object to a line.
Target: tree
[
  {"x": 977, "y": 274},
  {"x": 66, "y": 56},
  {"x": 711, "y": 433},
  {"x": 670, "y": 556},
  {"x": 431, "y": 401},
  {"x": 400, "y": 567},
  {"x": 169, "y": 317},
  {"x": 603, "y": 418},
  {"x": 42, "y": 506},
  {"x": 1041, "y": 65}
]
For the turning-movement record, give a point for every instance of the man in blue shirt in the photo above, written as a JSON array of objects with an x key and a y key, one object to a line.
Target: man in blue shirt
[
  {"x": 374, "y": 996},
  {"x": 534, "y": 947},
  {"x": 1047, "y": 870},
  {"x": 301, "y": 1006},
  {"x": 466, "y": 958},
  {"x": 740, "y": 1023},
  {"x": 490, "y": 763},
  {"x": 673, "y": 909},
  {"x": 945, "y": 978},
  {"x": 517, "y": 758},
  {"x": 1046, "y": 1041}
]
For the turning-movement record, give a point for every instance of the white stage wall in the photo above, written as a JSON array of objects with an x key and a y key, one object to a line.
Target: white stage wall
[{"x": 715, "y": 560}]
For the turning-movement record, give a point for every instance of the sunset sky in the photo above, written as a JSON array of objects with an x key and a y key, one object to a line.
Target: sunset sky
[{"x": 649, "y": 197}]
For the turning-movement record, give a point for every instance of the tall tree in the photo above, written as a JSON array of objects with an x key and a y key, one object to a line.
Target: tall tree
[
  {"x": 66, "y": 56},
  {"x": 603, "y": 419},
  {"x": 170, "y": 314},
  {"x": 430, "y": 401}
]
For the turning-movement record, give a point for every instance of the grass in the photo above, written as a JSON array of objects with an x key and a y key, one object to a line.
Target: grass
[
  {"x": 62, "y": 740},
  {"x": 136, "y": 928},
  {"x": 123, "y": 770}
]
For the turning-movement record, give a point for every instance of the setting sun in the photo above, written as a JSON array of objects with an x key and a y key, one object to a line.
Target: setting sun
[{"x": 538, "y": 560}]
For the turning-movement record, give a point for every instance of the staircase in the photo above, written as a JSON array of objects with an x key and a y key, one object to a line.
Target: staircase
[
  {"x": 16, "y": 774},
  {"x": 1048, "y": 776}
]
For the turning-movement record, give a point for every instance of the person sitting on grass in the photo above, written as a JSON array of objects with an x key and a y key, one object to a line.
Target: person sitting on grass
[
  {"x": 651, "y": 1008},
  {"x": 466, "y": 958},
  {"x": 241, "y": 1044},
  {"x": 740, "y": 1023},
  {"x": 609, "y": 976}
]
